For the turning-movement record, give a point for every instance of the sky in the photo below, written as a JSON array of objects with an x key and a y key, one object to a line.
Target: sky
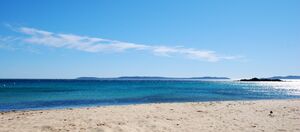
[{"x": 172, "y": 38}]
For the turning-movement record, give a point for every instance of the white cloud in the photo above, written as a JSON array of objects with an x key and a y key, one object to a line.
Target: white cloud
[
  {"x": 4, "y": 42},
  {"x": 93, "y": 44}
]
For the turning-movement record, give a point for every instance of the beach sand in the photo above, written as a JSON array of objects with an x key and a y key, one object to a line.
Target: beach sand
[{"x": 188, "y": 117}]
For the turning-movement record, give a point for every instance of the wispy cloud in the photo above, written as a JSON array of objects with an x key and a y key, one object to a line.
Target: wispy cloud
[
  {"x": 4, "y": 42},
  {"x": 95, "y": 44}
]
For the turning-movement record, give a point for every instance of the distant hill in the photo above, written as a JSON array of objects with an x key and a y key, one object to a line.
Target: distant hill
[
  {"x": 209, "y": 78},
  {"x": 88, "y": 78},
  {"x": 141, "y": 77},
  {"x": 147, "y": 78},
  {"x": 285, "y": 77}
]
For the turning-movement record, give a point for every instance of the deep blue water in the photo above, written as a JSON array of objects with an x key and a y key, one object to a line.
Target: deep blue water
[{"x": 48, "y": 94}]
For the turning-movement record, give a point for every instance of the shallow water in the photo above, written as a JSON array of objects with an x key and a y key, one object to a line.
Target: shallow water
[{"x": 47, "y": 94}]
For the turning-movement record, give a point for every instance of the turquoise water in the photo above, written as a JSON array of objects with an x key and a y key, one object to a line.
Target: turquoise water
[{"x": 47, "y": 94}]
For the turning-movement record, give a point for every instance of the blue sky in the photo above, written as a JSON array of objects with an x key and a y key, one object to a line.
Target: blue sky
[{"x": 68, "y": 39}]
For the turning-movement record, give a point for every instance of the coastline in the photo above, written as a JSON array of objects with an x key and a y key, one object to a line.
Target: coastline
[{"x": 194, "y": 116}]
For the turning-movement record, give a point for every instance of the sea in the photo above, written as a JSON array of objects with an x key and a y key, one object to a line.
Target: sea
[{"x": 37, "y": 94}]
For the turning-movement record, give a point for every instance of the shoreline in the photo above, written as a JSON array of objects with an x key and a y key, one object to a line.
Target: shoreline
[
  {"x": 134, "y": 104},
  {"x": 253, "y": 115}
]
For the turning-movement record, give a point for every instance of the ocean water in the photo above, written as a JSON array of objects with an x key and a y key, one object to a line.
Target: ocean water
[{"x": 48, "y": 94}]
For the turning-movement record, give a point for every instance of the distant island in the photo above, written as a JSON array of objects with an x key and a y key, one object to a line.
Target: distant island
[
  {"x": 140, "y": 77},
  {"x": 87, "y": 78},
  {"x": 260, "y": 79},
  {"x": 209, "y": 78},
  {"x": 150, "y": 78},
  {"x": 285, "y": 77}
]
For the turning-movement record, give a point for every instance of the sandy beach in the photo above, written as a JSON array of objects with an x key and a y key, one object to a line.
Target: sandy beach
[{"x": 203, "y": 116}]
